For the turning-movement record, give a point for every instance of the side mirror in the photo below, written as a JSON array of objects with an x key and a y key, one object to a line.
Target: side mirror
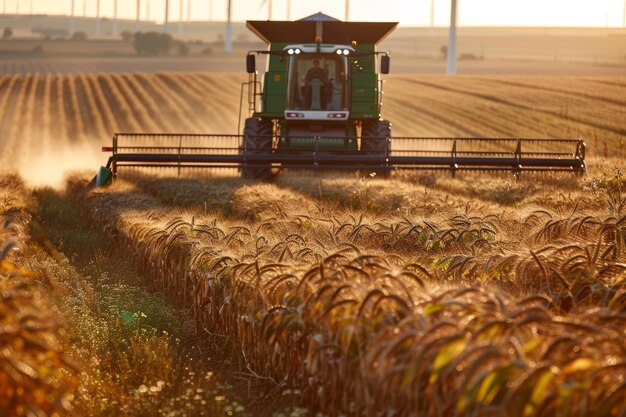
[
  {"x": 251, "y": 64},
  {"x": 385, "y": 63}
]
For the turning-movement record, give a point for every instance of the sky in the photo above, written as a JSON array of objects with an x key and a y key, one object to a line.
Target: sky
[{"x": 408, "y": 12}]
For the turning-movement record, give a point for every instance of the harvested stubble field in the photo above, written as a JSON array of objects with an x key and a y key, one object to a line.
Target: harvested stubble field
[
  {"x": 72, "y": 115},
  {"x": 420, "y": 295}
]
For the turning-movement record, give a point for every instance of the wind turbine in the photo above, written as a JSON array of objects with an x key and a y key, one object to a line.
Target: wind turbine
[
  {"x": 452, "y": 39},
  {"x": 181, "y": 7},
  {"x": 137, "y": 24},
  {"x": 432, "y": 17},
  {"x": 72, "y": 19},
  {"x": 97, "y": 18},
  {"x": 166, "y": 23},
  {"x": 114, "y": 28},
  {"x": 269, "y": 8},
  {"x": 228, "y": 46}
]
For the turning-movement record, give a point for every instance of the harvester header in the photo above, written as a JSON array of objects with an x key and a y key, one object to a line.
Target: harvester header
[{"x": 318, "y": 105}]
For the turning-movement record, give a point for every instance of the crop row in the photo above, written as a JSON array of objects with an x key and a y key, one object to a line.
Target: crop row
[
  {"x": 449, "y": 312},
  {"x": 36, "y": 377}
]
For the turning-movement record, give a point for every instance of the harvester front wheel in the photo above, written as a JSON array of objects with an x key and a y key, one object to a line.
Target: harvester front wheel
[
  {"x": 375, "y": 140},
  {"x": 257, "y": 139}
]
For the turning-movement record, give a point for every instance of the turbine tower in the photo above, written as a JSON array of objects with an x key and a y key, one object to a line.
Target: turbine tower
[
  {"x": 181, "y": 7},
  {"x": 137, "y": 22},
  {"x": 269, "y": 8},
  {"x": 97, "y": 18},
  {"x": 432, "y": 17},
  {"x": 114, "y": 28},
  {"x": 72, "y": 19},
  {"x": 452, "y": 39},
  {"x": 228, "y": 46},
  {"x": 166, "y": 23}
]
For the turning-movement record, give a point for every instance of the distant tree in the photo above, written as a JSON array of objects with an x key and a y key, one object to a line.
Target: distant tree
[
  {"x": 444, "y": 51},
  {"x": 183, "y": 49},
  {"x": 79, "y": 36},
  {"x": 127, "y": 36},
  {"x": 7, "y": 33},
  {"x": 152, "y": 43}
]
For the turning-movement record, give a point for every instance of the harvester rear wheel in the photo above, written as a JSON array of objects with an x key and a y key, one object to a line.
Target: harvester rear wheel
[
  {"x": 375, "y": 137},
  {"x": 257, "y": 136}
]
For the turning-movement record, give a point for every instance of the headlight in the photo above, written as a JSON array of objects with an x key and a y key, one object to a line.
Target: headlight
[
  {"x": 290, "y": 51},
  {"x": 346, "y": 52},
  {"x": 298, "y": 51},
  {"x": 339, "y": 52}
]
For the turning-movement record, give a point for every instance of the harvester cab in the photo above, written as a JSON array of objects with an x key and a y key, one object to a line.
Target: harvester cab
[
  {"x": 318, "y": 106},
  {"x": 321, "y": 91}
]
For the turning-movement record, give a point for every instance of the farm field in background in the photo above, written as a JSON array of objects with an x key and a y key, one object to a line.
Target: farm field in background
[
  {"x": 345, "y": 295},
  {"x": 64, "y": 114}
]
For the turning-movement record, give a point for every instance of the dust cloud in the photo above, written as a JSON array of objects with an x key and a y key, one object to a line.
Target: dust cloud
[{"x": 50, "y": 167}]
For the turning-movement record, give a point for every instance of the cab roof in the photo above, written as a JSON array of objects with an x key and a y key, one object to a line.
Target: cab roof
[{"x": 334, "y": 30}]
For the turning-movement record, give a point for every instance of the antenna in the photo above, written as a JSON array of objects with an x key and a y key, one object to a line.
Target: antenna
[
  {"x": 166, "y": 23},
  {"x": 97, "y": 18},
  {"x": 347, "y": 10},
  {"x": 72, "y": 19},
  {"x": 452, "y": 39},
  {"x": 137, "y": 24}
]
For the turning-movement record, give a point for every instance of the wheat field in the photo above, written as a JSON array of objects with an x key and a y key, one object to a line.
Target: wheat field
[{"x": 420, "y": 295}]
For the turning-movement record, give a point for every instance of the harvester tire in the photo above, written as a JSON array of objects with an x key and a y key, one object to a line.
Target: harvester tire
[
  {"x": 257, "y": 136},
  {"x": 375, "y": 140}
]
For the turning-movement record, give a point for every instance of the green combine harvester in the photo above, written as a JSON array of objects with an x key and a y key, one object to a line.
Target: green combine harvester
[{"x": 318, "y": 106}]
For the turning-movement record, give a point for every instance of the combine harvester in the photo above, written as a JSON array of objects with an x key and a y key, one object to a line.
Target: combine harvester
[{"x": 319, "y": 107}]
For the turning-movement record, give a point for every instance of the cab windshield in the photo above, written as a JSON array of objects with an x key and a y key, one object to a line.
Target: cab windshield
[{"x": 317, "y": 82}]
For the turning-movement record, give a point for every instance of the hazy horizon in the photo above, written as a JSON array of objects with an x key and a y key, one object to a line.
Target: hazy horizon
[{"x": 490, "y": 13}]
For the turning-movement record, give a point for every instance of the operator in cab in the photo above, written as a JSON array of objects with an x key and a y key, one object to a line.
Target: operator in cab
[{"x": 316, "y": 84}]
